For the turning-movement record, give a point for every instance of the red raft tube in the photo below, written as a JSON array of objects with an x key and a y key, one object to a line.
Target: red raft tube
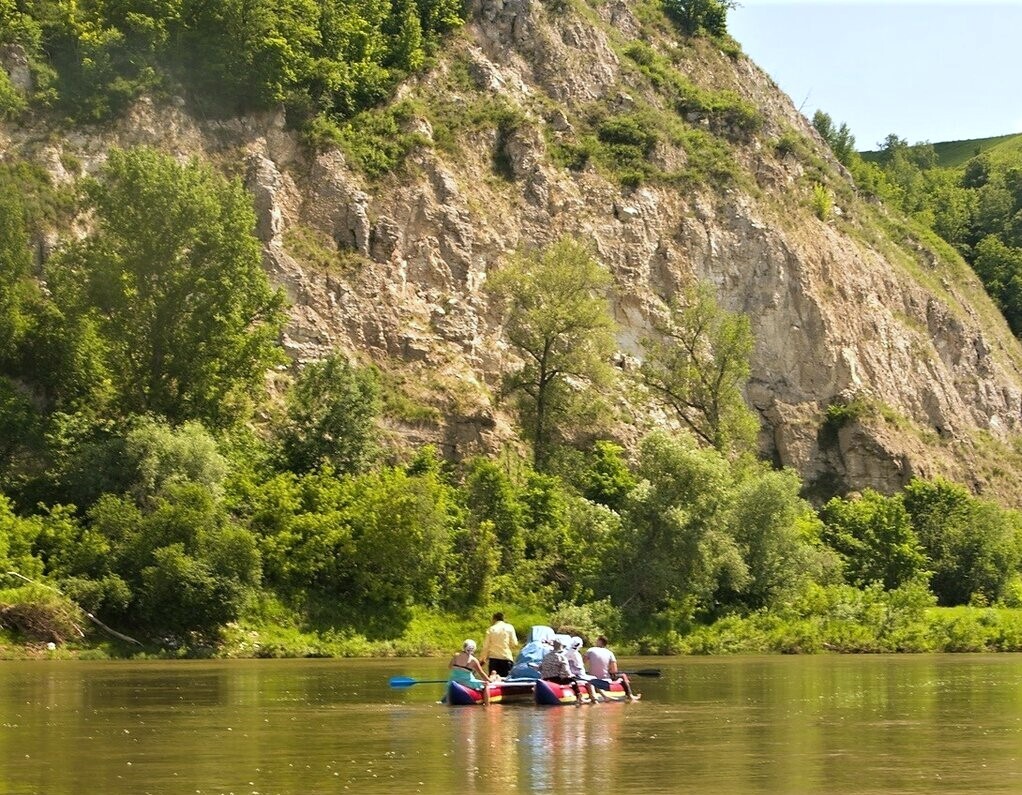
[
  {"x": 506, "y": 691},
  {"x": 552, "y": 694}
]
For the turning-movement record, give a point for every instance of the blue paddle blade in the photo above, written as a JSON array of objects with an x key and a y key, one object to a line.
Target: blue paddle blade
[{"x": 407, "y": 681}]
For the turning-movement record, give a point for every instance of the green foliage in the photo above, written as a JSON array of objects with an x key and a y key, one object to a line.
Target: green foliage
[
  {"x": 380, "y": 541},
  {"x": 839, "y": 139},
  {"x": 323, "y": 61},
  {"x": 975, "y": 206},
  {"x": 778, "y": 534},
  {"x": 172, "y": 283},
  {"x": 187, "y": 567},
  {"x": 492, "y": 497},
  {"x": 15, "y": 262},
  {"x": 331, "y": 413},
  {"x": 17, "y": 543},
  {"x": 822, "y": 202},
  {"x": 693, "y": 16},
  {"x": 697, "y": 366},
  {"x": 677, "y": 549},
  {"x": 975, "y": 547},
  {"x": 725, "y": 111},
  {"x": 375, "y": 140},
  {"x": 558, "y": 321},
  {"x": 606, "y": 478},
  {"x": 874, "y": 537}
]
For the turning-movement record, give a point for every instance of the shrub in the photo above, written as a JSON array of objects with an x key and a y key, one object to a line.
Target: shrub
[{"x": 822, "y": 202}]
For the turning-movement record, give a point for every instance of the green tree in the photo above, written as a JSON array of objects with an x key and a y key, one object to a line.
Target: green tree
[
  {"x": 839, "y": 139},
  {"x": 185, "y": 564},
  {"x": 17, "y": 542},
  {"x": 692, "y": 16},
  {"x": 874, "y": 537},
  {"x": 975, "y": 547},
  {"x": 778, "y": 534},
  {"x": 331, "y": 415},
  {"x": 677, "y": 552},
  {"x": 492, "y": 498},
  {"x": 15, "y": 262},
  {"x": 698, "y": 364},
  {"x": 172, "y": 279},
  {"x": 606, "y": 478},
  {"x": 558, "y": 321}
]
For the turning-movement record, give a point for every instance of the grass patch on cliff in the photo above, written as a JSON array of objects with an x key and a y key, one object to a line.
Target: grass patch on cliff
[
  {"x": 317, "y": 251},
  {"x": 404, "y": 398},
  {"x": 375, "y": 142},
  {"x": 726, "y": 112},
  {"x": 631, "y": 148}
]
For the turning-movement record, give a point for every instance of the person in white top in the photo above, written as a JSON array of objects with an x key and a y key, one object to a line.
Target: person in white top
[{"x": 603, "y": 665}]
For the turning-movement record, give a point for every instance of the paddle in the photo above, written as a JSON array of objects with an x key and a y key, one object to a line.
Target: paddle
[
  {"x": 407, "y": 681},
  {"x": 644, "y": 672}
]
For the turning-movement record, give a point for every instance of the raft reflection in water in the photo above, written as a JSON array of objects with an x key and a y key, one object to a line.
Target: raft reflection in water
[{"x": 536, "y": 750}]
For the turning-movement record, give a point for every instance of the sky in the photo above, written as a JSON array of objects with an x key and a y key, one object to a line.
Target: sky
[{"x": 927, "y": 71}]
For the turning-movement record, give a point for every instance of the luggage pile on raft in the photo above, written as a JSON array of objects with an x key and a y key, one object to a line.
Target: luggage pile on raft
[{"x": 524, "y": 686}]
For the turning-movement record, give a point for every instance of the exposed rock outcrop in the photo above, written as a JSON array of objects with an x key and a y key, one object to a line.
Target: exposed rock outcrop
[{"x": 834, "y": 314}]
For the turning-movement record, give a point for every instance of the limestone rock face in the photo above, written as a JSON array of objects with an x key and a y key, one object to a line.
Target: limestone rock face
[{"x": 836, "y": 317}]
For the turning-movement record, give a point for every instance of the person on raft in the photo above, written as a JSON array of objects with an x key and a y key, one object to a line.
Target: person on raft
[
  {"x": 555, "y": 668},
  {"x": 465, "y": 668},
  {"x": 498, "y": 646},
  {"x": 603, "y": 665},
  {"x": 574, "y": 656}
]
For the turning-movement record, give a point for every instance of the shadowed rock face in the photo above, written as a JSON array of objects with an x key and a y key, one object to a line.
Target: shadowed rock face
[{"x": 840, "y": 310}]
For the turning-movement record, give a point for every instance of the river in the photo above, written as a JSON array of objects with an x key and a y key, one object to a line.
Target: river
[{"x": 825, "y": 724}]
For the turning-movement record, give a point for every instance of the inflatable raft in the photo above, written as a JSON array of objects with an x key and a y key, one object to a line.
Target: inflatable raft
[
  {"x": 508, "y": 691},
  {"x": 552, "y": 694},
  {"x": 530, "y": 691}
]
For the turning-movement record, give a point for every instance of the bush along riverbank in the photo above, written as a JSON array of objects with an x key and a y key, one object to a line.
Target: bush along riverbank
[{"x": 837, "y": 619}]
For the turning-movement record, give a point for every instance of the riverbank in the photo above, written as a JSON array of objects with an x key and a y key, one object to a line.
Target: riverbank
[{"x": 865, "y": 623}]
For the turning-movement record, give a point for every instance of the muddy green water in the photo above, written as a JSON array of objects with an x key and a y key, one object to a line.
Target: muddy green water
[{"x": 909, "y": 724}]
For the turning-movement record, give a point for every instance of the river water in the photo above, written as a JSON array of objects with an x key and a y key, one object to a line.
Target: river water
[{"x": 827, "y": 724}]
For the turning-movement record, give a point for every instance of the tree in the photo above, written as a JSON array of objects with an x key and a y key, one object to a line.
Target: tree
[
  {"x": 698, "y": 365},
  {"x": 172, "y": 279},
  {"x": 15, "y": 261},
  {"x": 779, "y": 536},
  {"x": 691, "y": 16},
  {"x": 974, "y": 547},
  {"x": 840, "y": 139},
  {"x": 874, "y": 537},
  {"x": 558, "y": 321},
  {"x": 677, "y": 550},
  {"x": 331, "y": 414}
]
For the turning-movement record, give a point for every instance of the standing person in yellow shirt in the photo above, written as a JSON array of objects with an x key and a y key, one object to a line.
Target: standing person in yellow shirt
[{"x": 499, "y": 645}]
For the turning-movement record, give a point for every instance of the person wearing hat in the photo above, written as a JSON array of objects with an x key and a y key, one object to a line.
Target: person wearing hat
[
  {"x": 465, "y": 668},
  {"x": 575, "y": 664},
  {"x": 555, "y": 668},
  {"x": 498, "y": 646}
]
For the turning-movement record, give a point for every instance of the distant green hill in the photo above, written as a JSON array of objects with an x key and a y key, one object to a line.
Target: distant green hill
[{"x": 955, "y": 153}]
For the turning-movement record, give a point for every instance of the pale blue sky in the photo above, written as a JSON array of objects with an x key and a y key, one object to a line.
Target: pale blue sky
[{"x": 928, "y": 71}]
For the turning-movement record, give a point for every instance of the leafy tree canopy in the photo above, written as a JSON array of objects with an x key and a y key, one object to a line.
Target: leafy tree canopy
[
  {"x": 171, "y": 280},
  {"x": 558, "y": 320}
]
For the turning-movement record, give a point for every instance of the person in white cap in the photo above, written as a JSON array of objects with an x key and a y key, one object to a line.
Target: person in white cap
[
  {"x": 465, "y": 668},
  {"x": 574, "y": 655}
]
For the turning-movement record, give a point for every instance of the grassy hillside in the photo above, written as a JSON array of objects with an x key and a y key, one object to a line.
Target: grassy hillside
[{"x": 951, "y": 154}]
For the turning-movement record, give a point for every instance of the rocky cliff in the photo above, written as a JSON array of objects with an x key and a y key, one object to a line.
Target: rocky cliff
[{"x": 849, "y": 307}]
